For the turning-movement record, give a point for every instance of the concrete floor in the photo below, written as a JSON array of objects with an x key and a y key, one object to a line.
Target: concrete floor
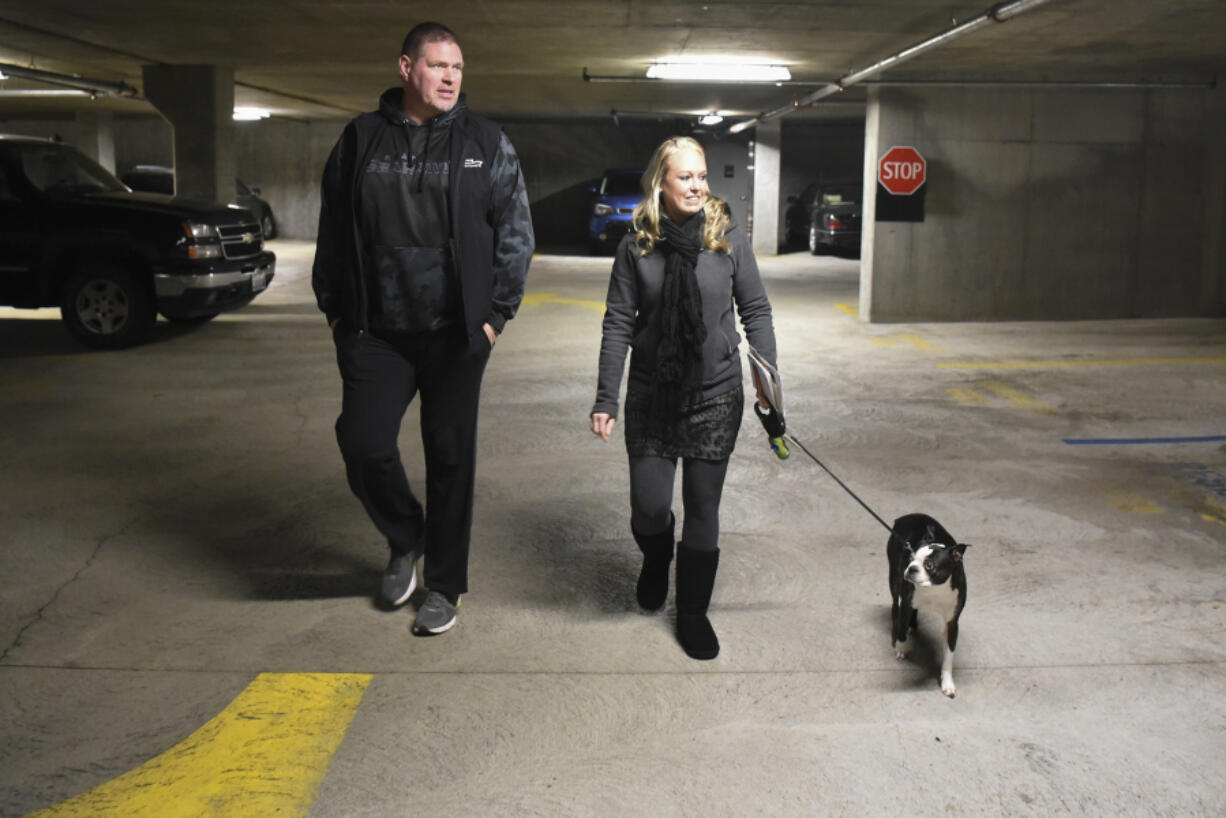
[{"x": 175, "y": 522}]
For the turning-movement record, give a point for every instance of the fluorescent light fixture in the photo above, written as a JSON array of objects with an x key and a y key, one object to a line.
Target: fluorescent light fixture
[
  {"x": 718, "y": 71},
  {"x": 710, "y": 119},
  {"x": 246, "y": 114}
]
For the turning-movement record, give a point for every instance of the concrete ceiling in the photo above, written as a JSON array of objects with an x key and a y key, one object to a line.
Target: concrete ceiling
[{"x": 331, "y": 58}]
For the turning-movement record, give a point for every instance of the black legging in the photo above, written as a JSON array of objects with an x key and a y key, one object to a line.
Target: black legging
[{"x": 651, "y": 497}]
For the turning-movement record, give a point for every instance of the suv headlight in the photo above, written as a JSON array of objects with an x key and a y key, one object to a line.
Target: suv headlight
[
  {"x": 204, "y": 242},
  {"x": 196, "y": 230},
  {"x": 602, "y": 209}
]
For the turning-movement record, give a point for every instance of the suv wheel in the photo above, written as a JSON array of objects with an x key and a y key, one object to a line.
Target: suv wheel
[
  {"x": 268, "y": 225},
  {"x": 814, "y": 246},
  {"x": 107, "y": 308}
]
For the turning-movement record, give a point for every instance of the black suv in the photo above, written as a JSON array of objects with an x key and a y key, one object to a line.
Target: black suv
[{"x": 73, "y": 236}]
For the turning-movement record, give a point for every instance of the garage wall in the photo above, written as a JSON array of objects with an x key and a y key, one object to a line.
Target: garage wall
[
  {"x": 1051, "y": 204},
  {"x": 285, "y": 159},
  {"x": 62, "y": 128},
  {"x": 143, "y": 140}
]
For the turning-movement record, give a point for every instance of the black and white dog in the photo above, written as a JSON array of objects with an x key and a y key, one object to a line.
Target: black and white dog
[{"x": 926, "y": 572}]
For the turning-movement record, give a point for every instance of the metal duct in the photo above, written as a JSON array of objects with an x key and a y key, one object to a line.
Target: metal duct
[
  {"x": 998, "y": 13},
  {"x": 118, "y": 89}
]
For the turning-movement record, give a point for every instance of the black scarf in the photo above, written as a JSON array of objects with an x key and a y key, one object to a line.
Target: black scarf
[{"x": 678, "y": 372}]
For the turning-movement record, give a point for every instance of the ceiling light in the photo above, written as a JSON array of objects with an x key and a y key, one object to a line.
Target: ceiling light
[
  {"x": 722, "y": 71},
  {"x": 245, "y": 114},
  {"x": 710, "y": 119}
]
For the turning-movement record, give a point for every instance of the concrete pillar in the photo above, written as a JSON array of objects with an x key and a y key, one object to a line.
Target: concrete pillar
[
  {"x": 767, "y": 140},
  {"x": 868, "y": 222},
  {"x": 1049, "y": 203},
  {"x": 96, "y": 137},
  {"x": 1213, "y": 271},
  {"x": 729, "y": 175},
  {"x": 198, "y": 101}
]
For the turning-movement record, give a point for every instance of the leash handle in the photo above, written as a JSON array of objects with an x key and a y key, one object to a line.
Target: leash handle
[
  {"x": 840, "y": 482},
  {"x": 780, "y": 447}
]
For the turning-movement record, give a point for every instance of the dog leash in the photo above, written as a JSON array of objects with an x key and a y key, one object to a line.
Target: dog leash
[
  {"x": 770, "y": 388},
  {"x": 803, "y": 448}
]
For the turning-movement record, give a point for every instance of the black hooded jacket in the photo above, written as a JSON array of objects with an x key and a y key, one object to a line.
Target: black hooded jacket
[{"x": 460, "y": 228}]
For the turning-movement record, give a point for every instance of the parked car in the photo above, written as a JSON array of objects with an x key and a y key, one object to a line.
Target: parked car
[
  {"x": 161, "y": 179},
  {"x": 73, "y": 236},
  {"x": 826, "y": 216},
  {"x": 614, "y": 198}
]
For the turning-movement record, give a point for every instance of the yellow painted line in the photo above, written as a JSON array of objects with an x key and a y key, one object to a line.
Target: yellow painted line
[
  {"x": 1016, "y": 397},
  {"x": 550, "y": 298},
  {"x": 968, "y": 397},
  {"x": 1213, "y": 512},
  {"x": 1217, "y": 359},
  {"x": 883, "y": 341},
  {"x": 265, "y": 754},
  {"x": 1132, "y": 503},
  {"x": 851, "y": 309},
  {"x": 919, "y": 342}
]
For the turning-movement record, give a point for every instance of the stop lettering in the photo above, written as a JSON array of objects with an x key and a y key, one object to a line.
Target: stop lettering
[{"x": 902, "y": 170}]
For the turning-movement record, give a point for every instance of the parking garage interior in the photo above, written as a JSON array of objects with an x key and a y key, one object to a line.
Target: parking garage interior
[{"x": 1034, "y": 357}]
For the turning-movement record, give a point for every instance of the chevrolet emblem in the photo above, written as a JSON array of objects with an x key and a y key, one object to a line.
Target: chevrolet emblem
[{"x": 248, "y": 238}]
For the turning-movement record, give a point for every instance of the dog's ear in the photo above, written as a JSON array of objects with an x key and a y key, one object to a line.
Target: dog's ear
[
  {"x": 959, "y": 549},
  {"x": 930, "y": 534}
]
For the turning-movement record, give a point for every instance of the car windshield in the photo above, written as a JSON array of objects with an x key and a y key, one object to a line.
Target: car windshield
[
  {"x": 622, "y": 184},
  {"x": 56, "y": 169},
  {"x": 839, "y": 196}
]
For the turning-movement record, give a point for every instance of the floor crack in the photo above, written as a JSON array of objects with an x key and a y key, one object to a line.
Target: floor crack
[{"x": 38, "y": 615}]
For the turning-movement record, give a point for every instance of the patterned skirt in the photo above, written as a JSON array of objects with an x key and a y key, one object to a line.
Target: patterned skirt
[{"x": 704, "y": 431}]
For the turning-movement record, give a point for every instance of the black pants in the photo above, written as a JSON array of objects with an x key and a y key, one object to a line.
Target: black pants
[
  {"x": 651, "y": 497},
  {"x": 381, "y": 376}
]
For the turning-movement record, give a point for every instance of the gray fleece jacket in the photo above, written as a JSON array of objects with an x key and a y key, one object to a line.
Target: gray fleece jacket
[{"x": 632, "y": 319}]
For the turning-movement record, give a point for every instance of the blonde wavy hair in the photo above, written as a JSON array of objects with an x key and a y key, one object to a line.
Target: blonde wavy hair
[{"x": 646, "y": 219}]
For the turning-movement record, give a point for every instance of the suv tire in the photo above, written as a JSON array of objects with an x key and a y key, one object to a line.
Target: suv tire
[{"x": 106, "y": 307}]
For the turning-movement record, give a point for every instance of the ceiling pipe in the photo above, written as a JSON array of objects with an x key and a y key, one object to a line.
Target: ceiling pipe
[
  {"x": 1203, "y": 84},
  {"x": 999, "y": 13},
  {"x": 118, "y": 89}
]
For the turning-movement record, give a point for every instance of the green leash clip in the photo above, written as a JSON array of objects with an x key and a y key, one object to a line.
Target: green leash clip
[{"x": 780, "y": 448}]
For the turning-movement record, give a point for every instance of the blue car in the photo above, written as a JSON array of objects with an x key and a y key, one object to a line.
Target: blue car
[{"x": 613, "y": 203}]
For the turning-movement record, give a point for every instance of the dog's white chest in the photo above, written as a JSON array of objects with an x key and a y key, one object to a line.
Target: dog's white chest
[{"x": 940, "y": 599}]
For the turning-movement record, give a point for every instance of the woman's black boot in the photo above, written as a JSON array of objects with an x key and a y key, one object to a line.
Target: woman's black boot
[
  {"x": 695, "y": 579},
  {"x": 652, "y": 588}
]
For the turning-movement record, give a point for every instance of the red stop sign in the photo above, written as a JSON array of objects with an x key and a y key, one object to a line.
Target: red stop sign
[{"x": 902, "y": 170}]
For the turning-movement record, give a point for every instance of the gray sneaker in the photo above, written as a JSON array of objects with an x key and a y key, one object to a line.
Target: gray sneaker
[
  {"x": 400, "y": 578},
  {"x": 435, "y": 616}
]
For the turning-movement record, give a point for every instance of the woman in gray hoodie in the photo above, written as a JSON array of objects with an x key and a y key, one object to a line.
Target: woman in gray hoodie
[{"x": 674, "y": 285}]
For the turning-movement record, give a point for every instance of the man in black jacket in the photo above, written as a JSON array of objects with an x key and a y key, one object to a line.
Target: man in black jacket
[{"x": 424, "y": 243}]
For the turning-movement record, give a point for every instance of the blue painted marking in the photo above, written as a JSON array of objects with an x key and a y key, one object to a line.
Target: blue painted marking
[{"x": 1127, "y": 441}]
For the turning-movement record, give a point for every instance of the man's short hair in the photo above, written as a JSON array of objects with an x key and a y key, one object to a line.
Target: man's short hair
[{"x": 422, "y": 33}]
